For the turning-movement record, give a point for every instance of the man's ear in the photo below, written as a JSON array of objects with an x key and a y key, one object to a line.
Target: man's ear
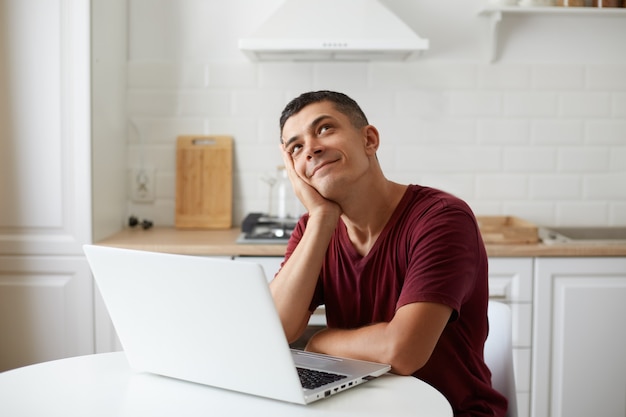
[{"x": 372, "y": 139}]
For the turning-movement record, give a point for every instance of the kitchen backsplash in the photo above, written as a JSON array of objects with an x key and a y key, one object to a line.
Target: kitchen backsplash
[{"x": 542, "y": 141}]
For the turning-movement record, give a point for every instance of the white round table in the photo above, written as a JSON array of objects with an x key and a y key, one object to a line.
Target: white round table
[{"x": 104, "y": 385}]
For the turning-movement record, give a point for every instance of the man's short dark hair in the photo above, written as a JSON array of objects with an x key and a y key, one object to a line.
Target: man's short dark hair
[{"x": 341, "y": 102}]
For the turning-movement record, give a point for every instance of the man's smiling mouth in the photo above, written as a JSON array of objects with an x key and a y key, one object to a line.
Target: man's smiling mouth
[{"x": 320, "y": 166}]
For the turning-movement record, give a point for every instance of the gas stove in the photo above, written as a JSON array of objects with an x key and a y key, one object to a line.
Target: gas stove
[{"x": 260, "y": 228}]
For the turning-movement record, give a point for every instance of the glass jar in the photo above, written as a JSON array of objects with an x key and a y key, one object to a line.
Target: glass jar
[{"x": 284, "y": 202}]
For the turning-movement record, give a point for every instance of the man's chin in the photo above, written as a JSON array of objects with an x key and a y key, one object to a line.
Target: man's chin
[{"x": 329, "y": 193}]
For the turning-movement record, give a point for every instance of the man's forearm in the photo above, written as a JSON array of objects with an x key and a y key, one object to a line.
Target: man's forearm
[
  {"x": 368, "y": 343},
  {"x": 295, "y": 284},
  {"x": 405, "y": 343}
]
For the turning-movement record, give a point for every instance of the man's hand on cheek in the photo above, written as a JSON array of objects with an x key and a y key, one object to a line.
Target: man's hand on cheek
[{"x": 307, "y": 194}]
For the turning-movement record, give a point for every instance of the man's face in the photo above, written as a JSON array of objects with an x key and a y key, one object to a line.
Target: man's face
[{"x": 328, "y": 152}]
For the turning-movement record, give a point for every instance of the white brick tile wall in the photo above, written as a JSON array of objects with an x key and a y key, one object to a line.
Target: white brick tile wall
[
  {"x": 340, "y": 76},
  {"x": 476, "y": 103},
  {"x": 582, "y": 212},
  {"x": 152, "y": 130},
  {"x": 542, "y": 142},
  {"x": 502, "y": 187},
  {"x": 583, "y": 159},
  {"x": 530, "y": 104},
  {"x": 606, "y": 131},
  {"x": 447, "y": 159},
  {"x": 606, "y": 77},
  {"x": 162, "y": 158},
  {"x": 605, "y": 187},
  {"x": 542, "y": 213},
  {"x": 160, "y": 75},
  {"x": 257, "y": 103},
  {"x": 232, "y": 75},
  {"x": 250, "y": 159},
  {"x": 285, "y": 75},
  {"x": 555, "y": 187},
  {"x": 423, "y": 104},
  {"x": 385, "y": 76},
  {"x": 165, "y": 185},
  {"x": 178, "y": 103},
  {"x": 618, "y": 160},
  {"x": 443, "y": 77},
  {"x": 558, "y": 77},
  {"x": 461, "y": 185},
  {"x": 460, "y": 132},
  {"x": 375, "y": 104},
  {"x": 543, "y": 138},
  {"x": 585, "y": 104},
  {"x": 618, "y": 105},
  {"x": 503, "y": 132},
  {"x": 508, "y": 77},
  {"x": 524, "y": 160},
  {"x": 617, "y": 214},
  {"x": 557, "y": 132},
  {"x": 243, "y": 130},
  {"x": 150, "y": 103}
]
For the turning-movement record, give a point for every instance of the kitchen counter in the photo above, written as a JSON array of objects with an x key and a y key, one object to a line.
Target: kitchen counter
[{"x": 223, "y": 243}]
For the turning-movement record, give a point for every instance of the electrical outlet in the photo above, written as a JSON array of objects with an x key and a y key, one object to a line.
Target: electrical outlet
[{"x": 142, "y": 185}]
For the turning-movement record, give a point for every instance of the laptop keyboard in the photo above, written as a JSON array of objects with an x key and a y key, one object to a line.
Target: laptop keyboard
[{"x": 311, "y": 378}]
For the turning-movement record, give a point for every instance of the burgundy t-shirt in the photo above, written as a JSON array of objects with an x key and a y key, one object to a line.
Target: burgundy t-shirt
[{"x": 430, "y": 250}]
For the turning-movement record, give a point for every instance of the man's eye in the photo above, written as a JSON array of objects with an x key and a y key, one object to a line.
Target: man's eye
[
  {"x": 295, "y": 149},
  {"x": 323, "y": 128}
]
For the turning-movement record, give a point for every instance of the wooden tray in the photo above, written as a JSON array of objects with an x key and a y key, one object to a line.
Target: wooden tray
[{"x": 507, "y": 229}]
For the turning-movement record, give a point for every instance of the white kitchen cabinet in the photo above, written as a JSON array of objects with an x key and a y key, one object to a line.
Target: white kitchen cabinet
[
  {"x": 45, "y": 286},
  {"x": 511, "y": 282},
  {"x": 45, "y": 309},
  {"x": 46, "y": 174},
  {"x": 579, "y": 364}
]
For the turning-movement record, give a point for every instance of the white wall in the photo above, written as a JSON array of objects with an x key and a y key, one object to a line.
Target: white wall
[
  {"x": 108, "y": 76},
  {"x": 540, "y": 133}
]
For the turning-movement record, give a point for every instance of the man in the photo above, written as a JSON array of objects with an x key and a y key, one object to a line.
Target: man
[{"x": 401, "y": 269}]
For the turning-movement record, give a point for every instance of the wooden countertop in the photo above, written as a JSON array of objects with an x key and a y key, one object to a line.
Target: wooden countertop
[
  {"x": 191, "y": 242},
  {"x": 223, "y": 243}
]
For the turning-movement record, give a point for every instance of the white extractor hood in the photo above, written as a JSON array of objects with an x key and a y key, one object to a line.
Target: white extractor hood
[{"x": 342, "y": 30}]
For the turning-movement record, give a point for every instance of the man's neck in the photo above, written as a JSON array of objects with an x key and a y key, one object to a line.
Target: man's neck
[{"x": 366, "y": 218}]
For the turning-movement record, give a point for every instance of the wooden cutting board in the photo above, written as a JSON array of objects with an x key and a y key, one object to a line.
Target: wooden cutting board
[{"x": 204, "y": 182}]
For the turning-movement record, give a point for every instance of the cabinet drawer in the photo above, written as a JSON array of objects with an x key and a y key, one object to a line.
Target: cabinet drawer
[{"x": 510, "y": 279}]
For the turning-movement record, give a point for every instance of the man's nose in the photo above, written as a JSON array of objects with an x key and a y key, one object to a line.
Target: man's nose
[{"x": 313, "y": 150}]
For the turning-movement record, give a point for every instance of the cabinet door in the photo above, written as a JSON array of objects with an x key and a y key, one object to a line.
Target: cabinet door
[
  {"x": 45, "y": 309},
  {"x": 579, "y": 364},
  {"x": 511, "y": 282},
  {"x": 45, "y": 181},
  {"x": 45, "y": 132}
]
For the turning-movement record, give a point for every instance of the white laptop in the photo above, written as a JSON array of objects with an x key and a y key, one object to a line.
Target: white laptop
[{"x": 210, "y": 321}]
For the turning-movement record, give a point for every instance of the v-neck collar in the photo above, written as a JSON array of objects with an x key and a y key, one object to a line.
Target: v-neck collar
[{"x": 349, "y": 246}]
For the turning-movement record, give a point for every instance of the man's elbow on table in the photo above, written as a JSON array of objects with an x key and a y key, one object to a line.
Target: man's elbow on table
[{"x": 405, "y": 362}]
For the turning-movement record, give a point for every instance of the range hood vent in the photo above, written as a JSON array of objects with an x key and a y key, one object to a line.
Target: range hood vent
[{"x": 333, "y": 30}]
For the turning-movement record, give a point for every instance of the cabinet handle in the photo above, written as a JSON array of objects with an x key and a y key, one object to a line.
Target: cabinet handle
[{"x": 497, "y": 296}]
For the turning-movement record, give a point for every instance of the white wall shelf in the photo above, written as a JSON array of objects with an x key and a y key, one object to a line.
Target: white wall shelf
[{"x": 496, "y": 14}]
